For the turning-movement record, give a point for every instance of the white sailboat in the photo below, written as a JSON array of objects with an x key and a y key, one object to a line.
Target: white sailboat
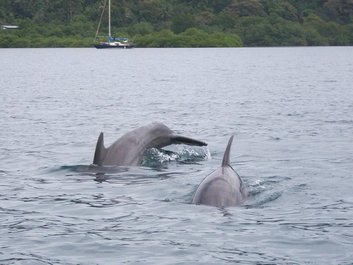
[{"x": 112, "y": 42}]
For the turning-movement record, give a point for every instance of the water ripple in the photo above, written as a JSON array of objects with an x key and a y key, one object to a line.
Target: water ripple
[{"x": 293, "y": 150}]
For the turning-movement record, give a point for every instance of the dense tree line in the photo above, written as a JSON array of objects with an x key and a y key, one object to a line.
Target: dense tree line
[{"x": 179, "y": 23}]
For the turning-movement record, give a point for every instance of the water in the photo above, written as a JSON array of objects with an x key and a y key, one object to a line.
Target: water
[{"x": 289, "y": 108}]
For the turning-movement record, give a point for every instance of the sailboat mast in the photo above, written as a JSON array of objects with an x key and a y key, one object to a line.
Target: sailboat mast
[{"x": 110, "y": 34}]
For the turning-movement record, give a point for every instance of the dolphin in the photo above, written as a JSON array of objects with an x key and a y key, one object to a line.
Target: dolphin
[
  {"x": 129, "y": 149},
  {"x": 223, "y": 187}
]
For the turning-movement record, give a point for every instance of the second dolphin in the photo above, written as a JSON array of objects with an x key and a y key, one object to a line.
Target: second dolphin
[{"x": 222, "y": 187}]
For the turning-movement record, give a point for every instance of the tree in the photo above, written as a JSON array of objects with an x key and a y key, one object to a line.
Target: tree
[
  {"x": 181, "y": 22},
  {"x": 166, "y": 23},
  {"x": 241, "y": 8},
  {"x": 339, "y": 10},
  {"x": 281, "y": 8}
]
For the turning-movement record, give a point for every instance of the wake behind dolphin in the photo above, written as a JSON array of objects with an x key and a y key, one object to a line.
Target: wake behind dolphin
[
  {"x": 129, "y": 149},
  {"x": 223, "y": 187}
]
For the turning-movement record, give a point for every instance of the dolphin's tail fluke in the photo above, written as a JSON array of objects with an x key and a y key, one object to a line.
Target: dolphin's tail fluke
[
  {"x": 100, "y": 152},
  {"x": 225, "y": 161},
  {"x": 177, "y": 139}
]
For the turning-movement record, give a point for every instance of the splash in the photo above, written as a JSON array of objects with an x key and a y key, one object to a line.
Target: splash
[{"x": 154, "y": 157}]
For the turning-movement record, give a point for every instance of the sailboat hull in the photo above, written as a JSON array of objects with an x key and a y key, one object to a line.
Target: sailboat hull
[{"x": 106, "y": 45}]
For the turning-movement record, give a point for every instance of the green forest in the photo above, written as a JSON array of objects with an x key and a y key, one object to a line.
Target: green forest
[{"x": 178, "y": 23}]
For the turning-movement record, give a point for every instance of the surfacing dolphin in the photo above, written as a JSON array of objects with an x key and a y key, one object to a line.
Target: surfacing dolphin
[
  {"x": 128, "y": 150},
  {"x": 223, "y": 187}
]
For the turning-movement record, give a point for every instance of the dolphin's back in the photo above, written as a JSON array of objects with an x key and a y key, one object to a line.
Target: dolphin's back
[{"x": 223, "y": 187}]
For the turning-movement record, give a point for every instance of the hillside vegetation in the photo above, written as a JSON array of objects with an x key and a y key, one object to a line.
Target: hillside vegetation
[{"x": 179, "y": 23}]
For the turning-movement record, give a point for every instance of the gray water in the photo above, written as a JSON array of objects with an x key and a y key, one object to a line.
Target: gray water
[{"x": 291, "y": 110}]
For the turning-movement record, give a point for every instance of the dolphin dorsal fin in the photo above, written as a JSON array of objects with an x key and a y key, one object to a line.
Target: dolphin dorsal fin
[
  {"x": 225, "y": 161},
  {"x": 100, "y": 152}
]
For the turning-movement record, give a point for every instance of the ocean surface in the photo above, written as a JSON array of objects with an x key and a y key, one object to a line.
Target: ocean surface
[{"x": 290, "y": 109}]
